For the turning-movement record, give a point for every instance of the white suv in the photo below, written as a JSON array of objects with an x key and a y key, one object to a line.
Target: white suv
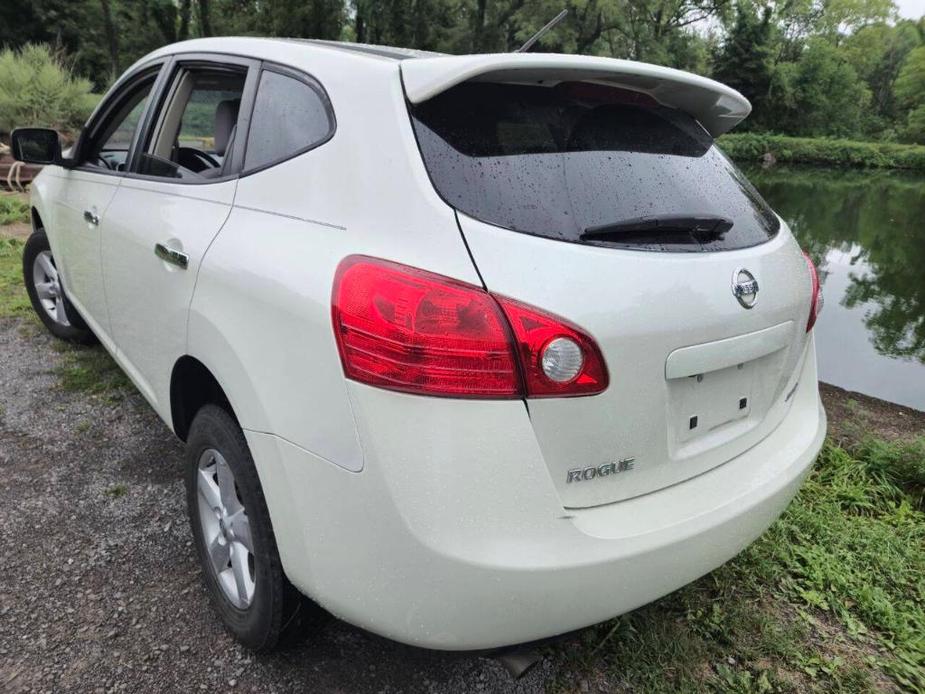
[{"x": 470, "y": 350}]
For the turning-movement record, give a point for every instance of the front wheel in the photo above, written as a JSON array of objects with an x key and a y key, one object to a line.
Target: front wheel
[
  {"x": 234, "y": 539},
  {"x": 43, "y": 284}
]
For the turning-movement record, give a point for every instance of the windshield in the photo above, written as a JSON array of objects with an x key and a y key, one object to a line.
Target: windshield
[{"x": 558, "y": 161}]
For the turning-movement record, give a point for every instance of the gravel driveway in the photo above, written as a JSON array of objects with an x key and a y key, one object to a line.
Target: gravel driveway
[{"x": 100, "y": 589}]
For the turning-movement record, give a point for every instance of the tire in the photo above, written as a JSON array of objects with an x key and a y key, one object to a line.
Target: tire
[
  {"x": 275, "y": 611},
  {"x": 47, "y": 295}
]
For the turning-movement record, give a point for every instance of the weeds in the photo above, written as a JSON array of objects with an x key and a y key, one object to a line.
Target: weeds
[
  {"x": 90, "y": 370},
  {"x": 13, "y": 297},
  {"x": 116, "y": 491},
  {"x": 13, "y": 208},
  {"x": 831, "y": 598}
]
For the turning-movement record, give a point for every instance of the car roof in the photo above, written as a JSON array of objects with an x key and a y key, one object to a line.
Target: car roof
[
  {"x": 387, "y": 52},
  {"x": 267, "y": 43}
]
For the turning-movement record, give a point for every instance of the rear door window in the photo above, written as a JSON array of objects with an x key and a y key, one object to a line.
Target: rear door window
[
  {"x": 291, "y": 116},
  {"x": 587, "y": 163}
]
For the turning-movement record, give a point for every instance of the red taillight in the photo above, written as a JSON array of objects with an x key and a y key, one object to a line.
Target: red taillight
[
  {"x": 579, "y": 368},
  {"x": 815, "y": 304},
  {"x": 406, "y": 329}
]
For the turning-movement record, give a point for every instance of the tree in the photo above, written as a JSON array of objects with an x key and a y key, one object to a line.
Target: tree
[
  {"x": 205, "y": 18},
  {"x": 820, "y": 94},
  {"x": 877, "y": 52},
  {"x": 910, "y": 91},
  {"x": 411, "y": 23},
  {"x": 646, "y": 27},
  {"x": 39, "y": 88},
  {"x": 112, "y": 40},
  {"x": 744, "y": 62}
]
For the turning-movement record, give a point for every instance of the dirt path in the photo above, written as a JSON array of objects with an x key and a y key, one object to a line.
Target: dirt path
[
  {"x": 100, "y": 589},
  {"x": 18, "y": 230}
]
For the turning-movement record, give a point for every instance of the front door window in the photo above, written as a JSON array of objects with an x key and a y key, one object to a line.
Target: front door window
[
  {"x": 196, "y": 130},
  {"x": 110, "y": 147}
]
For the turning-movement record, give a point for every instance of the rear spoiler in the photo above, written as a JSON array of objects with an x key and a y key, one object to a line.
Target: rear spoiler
[{"x": 717, "y": 107}]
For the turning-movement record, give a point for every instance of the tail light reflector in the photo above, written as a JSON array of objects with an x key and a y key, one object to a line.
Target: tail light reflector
[
  {"x": 406, "y": 329},
  {"x": 816, "y": 302}
]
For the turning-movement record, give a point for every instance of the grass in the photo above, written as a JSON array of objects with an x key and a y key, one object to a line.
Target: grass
[
  {"x": 13, "y": 208},
  {"x": 830, "y": 599},
  {"x": 90, "y": 370},
  {"x": 116, "y": 491},
  {"x": 751, "y": 147},
  {"x": 13, "y": 298}
]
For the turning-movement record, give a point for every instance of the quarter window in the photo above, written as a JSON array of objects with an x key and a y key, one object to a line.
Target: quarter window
[{"x": 290, "y": 116}]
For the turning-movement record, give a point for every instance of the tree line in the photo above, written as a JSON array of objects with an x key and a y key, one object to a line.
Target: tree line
[{"x": 847, "y": 68}]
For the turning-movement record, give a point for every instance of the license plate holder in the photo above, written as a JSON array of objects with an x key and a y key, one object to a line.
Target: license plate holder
[{"x": 706, "y": 402}]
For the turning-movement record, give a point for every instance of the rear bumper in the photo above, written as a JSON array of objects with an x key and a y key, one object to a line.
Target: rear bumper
[{"x": 453, "y": 536}]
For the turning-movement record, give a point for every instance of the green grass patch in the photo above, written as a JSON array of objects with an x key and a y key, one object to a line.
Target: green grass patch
[
  {"x": 830, "y": 599},
  {"x": 13, "y": 297},
  {"x": 90, "y": 370},
  {"x": 116, "y": 491},
  {"x": 752, "y": 147},
  {"x": 13, "y": 208}
]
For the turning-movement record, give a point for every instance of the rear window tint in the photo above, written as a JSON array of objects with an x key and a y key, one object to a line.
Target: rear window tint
[
  {"x": 557, "y": 161},
  {"x": 290, "y": 116}
]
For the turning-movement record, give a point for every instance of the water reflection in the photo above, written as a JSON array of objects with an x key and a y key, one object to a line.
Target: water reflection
[{"x": 866, "y": 231}]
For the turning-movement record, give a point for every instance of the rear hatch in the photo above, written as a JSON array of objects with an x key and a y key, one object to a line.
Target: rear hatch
[{"x": 595, "y": 200}]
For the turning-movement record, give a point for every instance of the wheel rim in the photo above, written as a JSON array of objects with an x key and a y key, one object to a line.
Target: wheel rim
[
  {"x": 48, "y": 287},
  {"x": 226, "y": 529}
]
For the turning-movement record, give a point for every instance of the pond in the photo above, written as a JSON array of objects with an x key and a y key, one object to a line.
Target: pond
[{"x": 866, "y": 232}]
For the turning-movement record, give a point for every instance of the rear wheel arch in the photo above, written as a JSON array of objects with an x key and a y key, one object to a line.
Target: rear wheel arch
[
  {"x": 36, "y": 220},
  {"x": 192, "y": 385}
]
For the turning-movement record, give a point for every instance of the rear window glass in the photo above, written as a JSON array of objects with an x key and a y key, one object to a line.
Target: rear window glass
[{"x": 560, "y": 161}]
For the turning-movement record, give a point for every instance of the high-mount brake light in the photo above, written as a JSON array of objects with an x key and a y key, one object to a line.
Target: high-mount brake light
[
  {"x": 817, "y": 300},
  {"x": 406, "y": 329}
]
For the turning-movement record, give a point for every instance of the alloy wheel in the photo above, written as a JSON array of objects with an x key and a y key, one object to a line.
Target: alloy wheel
[
  {"x": 226, "y": 529},
  {"x": 48, "y": 287}
]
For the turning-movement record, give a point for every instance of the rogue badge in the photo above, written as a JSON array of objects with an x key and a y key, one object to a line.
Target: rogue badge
[{"x": 580, "y": 474}]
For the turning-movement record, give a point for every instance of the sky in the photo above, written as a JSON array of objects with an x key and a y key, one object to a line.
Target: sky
[{"x": 911, "y": 9}]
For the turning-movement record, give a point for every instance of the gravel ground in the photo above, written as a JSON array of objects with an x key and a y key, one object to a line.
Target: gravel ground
[{"x": 100, "y": 588}]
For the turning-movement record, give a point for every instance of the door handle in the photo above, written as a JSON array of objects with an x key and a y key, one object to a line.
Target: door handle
[
  {"x": 91, "y": 218},
  {"x": 171, "y": 255}
]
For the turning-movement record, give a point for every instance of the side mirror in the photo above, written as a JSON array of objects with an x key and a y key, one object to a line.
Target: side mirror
[{"x": 38, "y": 146}]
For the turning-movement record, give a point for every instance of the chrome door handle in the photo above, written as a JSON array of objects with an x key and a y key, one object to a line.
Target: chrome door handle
[
  {"x": 91, "y": 218},
  {"x": 171, "y": 255}
]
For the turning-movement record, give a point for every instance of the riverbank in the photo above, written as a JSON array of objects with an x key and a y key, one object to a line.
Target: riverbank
[{"x": 746, "y": 148}]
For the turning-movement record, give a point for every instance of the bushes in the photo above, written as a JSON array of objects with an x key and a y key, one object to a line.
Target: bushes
[
  {"x": 746, "y": 147},
  {"x": 38, "y": 88}
]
